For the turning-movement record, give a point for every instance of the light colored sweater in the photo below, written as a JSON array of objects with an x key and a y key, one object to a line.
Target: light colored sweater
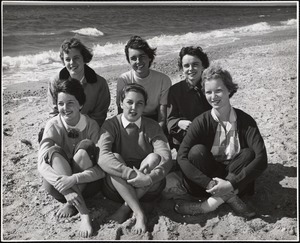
[{"x": 55, "y": 133}]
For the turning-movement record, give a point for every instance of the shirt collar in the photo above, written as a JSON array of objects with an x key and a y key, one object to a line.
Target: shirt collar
[
  {"x": 79, "y": 126},
  {"x": 232, "y": 116},
  {"x": 190, "y": 86},
  {"x": 125, "y": 122}
]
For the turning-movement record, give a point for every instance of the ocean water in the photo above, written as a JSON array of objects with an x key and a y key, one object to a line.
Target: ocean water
[{"x": 32, "y": 34}]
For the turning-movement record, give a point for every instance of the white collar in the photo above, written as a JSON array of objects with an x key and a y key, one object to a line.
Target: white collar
[
  {"x": 79, "y": 126},
  {"x": 125, "y": 122}
]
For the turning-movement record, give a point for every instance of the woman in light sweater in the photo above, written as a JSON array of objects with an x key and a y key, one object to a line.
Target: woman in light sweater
[
  {"x": 140, "y": 56},
  {"x": 67, "y": 158}
]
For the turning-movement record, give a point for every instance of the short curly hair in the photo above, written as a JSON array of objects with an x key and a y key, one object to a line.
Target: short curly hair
[
  {"x": 75, "y": 43},
  {"x": 69, "y": 86},
  {"x": 216, "y": 72},
  {"x": 137, "y": 42},
  {"x": 193, "y": 51}
]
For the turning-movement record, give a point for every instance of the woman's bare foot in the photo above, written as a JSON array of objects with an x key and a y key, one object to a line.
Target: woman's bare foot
[
  {"x": 67, "y": 210},
  {"x": 121, "y": 215},
  {"x": 86, "y": 228},
  {"x": 140, "y": 224}
]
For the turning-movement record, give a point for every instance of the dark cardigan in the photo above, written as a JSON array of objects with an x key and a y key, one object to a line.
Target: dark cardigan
[
  {"x": 203, "y": 130},
  {"x": 90, "y": 75}
]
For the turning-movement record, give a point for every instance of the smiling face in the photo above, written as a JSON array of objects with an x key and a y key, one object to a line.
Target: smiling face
[
  {"x": 139, "y": 62},
  {"x": 133, "y": 106},
  {"x": 69, "y": 108},
  {"x": 192, "y": 68},
  {"x": 74, "y": 63},
  {"x": 217, "y": 94}
]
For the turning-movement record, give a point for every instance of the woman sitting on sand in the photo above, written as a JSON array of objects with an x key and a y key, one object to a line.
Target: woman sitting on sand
[
  {"x": 75, "y": 56},
  {"x": 223, "y": 151},
  {"x": 140, "y": 56},
  {"x": 67, "y": 158},
  {"x": 136, "y": 157},
  {"x": 185, "y": 99}
]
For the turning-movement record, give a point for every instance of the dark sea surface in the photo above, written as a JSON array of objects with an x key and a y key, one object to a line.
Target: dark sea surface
[{"x": 32, "y": 34}]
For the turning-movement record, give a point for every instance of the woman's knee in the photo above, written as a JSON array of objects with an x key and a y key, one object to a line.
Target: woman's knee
[
  {"x": 86, "y": 154},
  {"x": 198, "y": 153},
  {"x": 151, "y": 161},
  {"x": 58, "y": 160}
]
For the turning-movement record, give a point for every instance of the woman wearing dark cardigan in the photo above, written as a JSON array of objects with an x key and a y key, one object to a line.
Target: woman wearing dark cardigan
[{"x": 223, "y": 151}]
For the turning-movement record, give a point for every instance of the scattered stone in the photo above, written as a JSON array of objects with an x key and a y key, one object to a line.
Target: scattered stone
[
  {"x": 17, "y": 158},
  {"x": 27, "y": 142},
  {"x": 292, "y": 231}
]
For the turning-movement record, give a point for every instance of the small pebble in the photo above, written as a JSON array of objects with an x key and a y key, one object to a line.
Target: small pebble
[
  {"x": 278, "y": 206},
  {"x": 292, "y": 231}
]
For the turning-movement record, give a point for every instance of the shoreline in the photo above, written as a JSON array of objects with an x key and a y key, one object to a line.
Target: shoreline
[{"x": 265, "y": 68}]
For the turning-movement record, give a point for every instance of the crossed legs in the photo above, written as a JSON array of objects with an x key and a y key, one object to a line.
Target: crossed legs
[{"x": 132, "y": 195}]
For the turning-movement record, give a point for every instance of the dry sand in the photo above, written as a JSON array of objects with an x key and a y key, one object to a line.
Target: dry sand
[{"x": 265, "y": 68}]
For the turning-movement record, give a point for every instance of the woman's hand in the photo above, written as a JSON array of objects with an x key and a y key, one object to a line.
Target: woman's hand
[
  {"x": 65, "y": 182},
  {"x": 184, "y": 124},
  {"x": 141, "y": 180},
  {"x": 221, "y": 188}
]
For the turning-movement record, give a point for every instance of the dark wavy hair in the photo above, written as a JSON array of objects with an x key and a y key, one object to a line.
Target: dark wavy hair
[
  {"x": 216, "y": 72},
  {"x": 137, "y": 42},
  {"x": 193, "y": 51},
  {"x": 69, "y": 86},
  {"x": 136, "y": 88},
  {"x": 75, "y": 43}
]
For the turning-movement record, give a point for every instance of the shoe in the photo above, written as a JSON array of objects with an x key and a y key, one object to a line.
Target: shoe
[
  {"x": 239, "y": 207},
  {"x": 194, "y": 208}
]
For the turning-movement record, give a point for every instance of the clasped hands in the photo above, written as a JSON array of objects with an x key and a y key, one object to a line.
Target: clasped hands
[
  {"x": 64, "y": 182},
  {"x": 140, "y": 179},
  {"x": 219, "y": 187}
]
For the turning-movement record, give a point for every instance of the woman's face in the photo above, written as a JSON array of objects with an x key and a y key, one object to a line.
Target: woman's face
[
  {"x": 216, "y": 93},
  {"x": 74, "y": 63},
  {"x": 139, "y": 62},
  {"x": 133, "y": 106},
  {"x": 69, "y": 108},
  {"x": 192, "y": 68}
]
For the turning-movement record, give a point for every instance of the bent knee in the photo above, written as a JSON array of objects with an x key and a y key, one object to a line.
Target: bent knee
[
  {"x": 198, "y": 150},
  {"x": 87, "y": 147},
  {"x": 53, "y": 152}
]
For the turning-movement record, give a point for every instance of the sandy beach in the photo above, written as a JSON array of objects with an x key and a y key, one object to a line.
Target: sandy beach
[{"x": 265, "y": 68}]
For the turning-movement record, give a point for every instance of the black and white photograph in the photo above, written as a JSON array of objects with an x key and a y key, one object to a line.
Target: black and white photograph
[{"x": 149, "y": 121}]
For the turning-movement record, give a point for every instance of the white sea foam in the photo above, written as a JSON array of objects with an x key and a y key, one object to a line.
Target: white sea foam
[
  {"x": 43, "y": 65},
  {"x": 89, "y": 32},
  {"x": 289, "y": 22}
]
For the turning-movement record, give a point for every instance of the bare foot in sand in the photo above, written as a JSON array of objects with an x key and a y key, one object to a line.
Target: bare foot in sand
[
  {"x": 66, "y": 211},
  {"x": 140, "y": 224},
  {"x": 121, "y": 215},
  {"x": 86, "y": 228}
]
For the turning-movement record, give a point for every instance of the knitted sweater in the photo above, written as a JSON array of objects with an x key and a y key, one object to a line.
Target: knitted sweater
[
  {"x": 96, "y": 90},
  {"x": 151, "y": 139},
  {"x": 56, "y": 134}
]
